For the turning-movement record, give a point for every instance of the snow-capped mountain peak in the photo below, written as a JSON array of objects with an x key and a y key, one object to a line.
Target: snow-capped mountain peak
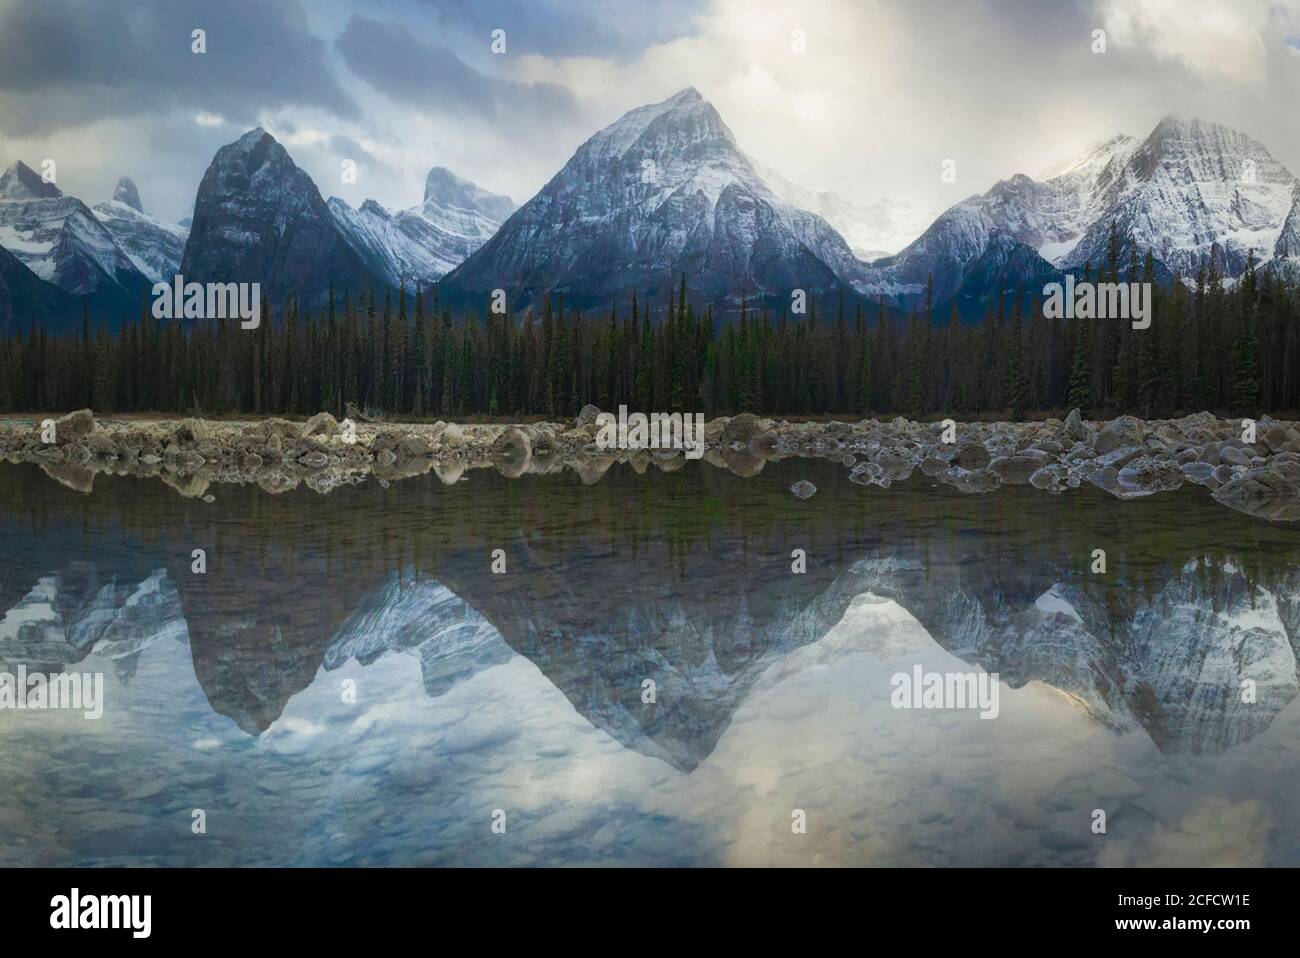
[
  {"x": 21, "y": 182},
  {"x": 1188, "y": 192},
  {"x": 422, "y": 244},
  {"x": 59, "y": 239},
  {"x": 125, "y": 192},
  {"x": 445, "y": 189},
  {"x": 687, "y": 113},
  {"x": 153, "y": 245},
  {"x": 1192, "y": 191},
  {"x": 663, "y": 191}
]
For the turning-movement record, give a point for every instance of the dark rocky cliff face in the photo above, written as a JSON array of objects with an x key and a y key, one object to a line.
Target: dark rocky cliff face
[{"x": 258, "y": 218}]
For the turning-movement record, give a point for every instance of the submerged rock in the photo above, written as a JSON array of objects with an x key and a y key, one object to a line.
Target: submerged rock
[
  {"x": 966, "y": 480},
  {"x": 1269, "y": 492},
  {"x": 973, "y": 456},
  {"x": 1145, "y": 476},
  {"x": 1017, "y": 469},
  {"x": 804, "y": 489}
]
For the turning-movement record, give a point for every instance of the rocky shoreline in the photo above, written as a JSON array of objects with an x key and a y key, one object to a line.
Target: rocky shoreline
[{"x": 1127, "y": 457}]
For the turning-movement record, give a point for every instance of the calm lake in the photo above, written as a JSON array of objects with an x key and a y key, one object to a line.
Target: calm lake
[{"x": 674, "y": 668}]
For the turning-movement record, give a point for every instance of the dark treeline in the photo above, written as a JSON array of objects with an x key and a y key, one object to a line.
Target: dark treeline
[{"x": 1208, "y": 347}]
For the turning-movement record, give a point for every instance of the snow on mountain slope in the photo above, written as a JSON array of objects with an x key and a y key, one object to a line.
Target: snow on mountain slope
[
  {"x": 1049, "y": 217},
  {"x": 59, "y": 238},
  {"x": 663, "y": 191},
  {"x": 1286, "y": 252},
  {"x": 872, "y": 230},
  {"x": 1191, "y": 192},
  {"x": 428, "y": 241},
  {"x": 154, "y": 246}
]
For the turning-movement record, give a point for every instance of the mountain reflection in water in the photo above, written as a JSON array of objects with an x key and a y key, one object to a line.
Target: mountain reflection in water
[{"x": 524, "y": 691}]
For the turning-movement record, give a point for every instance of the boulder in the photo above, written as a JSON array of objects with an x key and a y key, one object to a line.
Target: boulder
[
  {"x": 869, "y": 473},
  {"x": 1124, "y": 431},
  {"x": 412, "y": 447},
  {"x": 453, "y": 435},
  {"x": 1119, "y": 457},
  {"x": 1074, "y": 427},
  {"x": 74, "y": 426},
  {"x": 1144, "y": 476},
  {"x": 1201, "y": 473},
  {"x": 1049, "y": 478},
  {"x": 1268, "y": 492},
  {"x": 322, "y": 424},
  {"x": 1233, "y": 455},
  {"x": 194, "y": 430},
  {"x": 741, "y": 429},
  {"x": 101, "y": 445},
  {"x": 512, "y": 451}
]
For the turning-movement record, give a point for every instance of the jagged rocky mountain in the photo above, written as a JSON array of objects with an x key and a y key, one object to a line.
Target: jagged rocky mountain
[
  {"x": 426, "y": 242},
  {"x": 663, "y": 191},
  {"x": 1191, "y": 192},
  {"x": 155, "y": 247},
  {"x": 258, "y": 218},
  {"x": 127, "y": 193},
  {"x": 63, "y": 243}
]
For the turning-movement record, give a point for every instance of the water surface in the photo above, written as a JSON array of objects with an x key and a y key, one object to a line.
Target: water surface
[{"x": 228, "y": 691}]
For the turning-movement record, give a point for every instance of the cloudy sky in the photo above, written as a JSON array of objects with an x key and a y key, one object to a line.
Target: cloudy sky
[{"x": 881, "y": 94}]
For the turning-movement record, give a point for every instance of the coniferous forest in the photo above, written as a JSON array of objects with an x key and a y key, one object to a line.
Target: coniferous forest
[{"x": 399, "y": 353}]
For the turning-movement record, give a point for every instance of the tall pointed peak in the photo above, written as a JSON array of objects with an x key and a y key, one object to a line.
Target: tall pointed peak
[
  {"x": 444, "y": 188},
  {"x": 21, "y": 182},
  {"x": 125, "y": 192},
  {"x": 256, "y": 139},
  {"x": 687, "y": 113}
]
